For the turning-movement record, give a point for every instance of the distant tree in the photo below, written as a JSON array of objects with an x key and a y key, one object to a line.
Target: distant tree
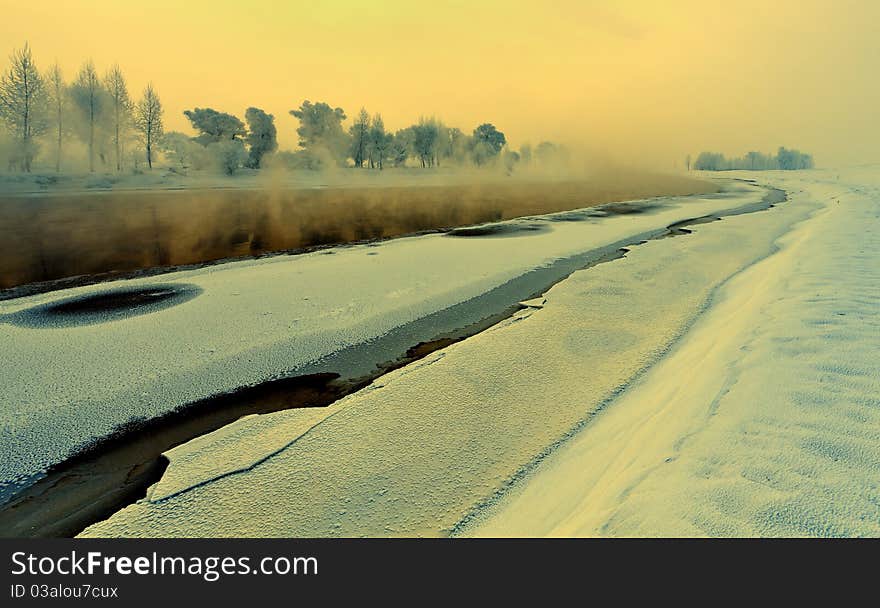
[
  {"x": 399, "y": 149},
  {"x": 793, "y": 159},
  {"x": 178, "y": 149},
  {"x": 805, "y": 162},
  {"x": 214, "y": 126},
  {"x": 425, "y": 135},
  {"x": 379, "y": 143},
  {"x": 24, "y": 104},
  {"x": 460, "y": 145},
  {"x": 487, "y": 143},
  {"x": 687, "y": 162},
  {"x": 58, "y": 101},
  {"x": 148, "y": 121},
  {"x": 120, "y": 107},
  {"x": 551, "y": 155},
  {"x": 222, "y": 135},
  {"x": 525, "y": 154},
  {"x": 754, "y": 161},
  {"x": 443, "y": 147},
  {"x": 510, "y": 159},
  {"x": 88, "y": 98},
  {"x": 709, "y": 161},
  {"x": 229, "y": 154},
  {"x": 443, "y": 144},
  {"x": 320, "y": 130},
  {"x": 785, "y": 158},
  {"x": 545, "y": 151},
  {"x": 262, "y": 137},
  {"x": 359, "y": 136}
]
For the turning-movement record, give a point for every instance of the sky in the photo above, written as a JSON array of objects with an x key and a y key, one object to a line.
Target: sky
[{"x": 639, "y": 81}]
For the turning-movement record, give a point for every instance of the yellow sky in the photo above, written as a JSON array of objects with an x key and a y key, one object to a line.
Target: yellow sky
[{"x": 648, "y": 80}]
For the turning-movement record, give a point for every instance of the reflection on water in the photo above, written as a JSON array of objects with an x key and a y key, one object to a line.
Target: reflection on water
[{"x": 58, "y": 235}]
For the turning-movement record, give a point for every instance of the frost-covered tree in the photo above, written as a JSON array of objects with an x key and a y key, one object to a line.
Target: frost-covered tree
[
  {"x": 148, "y": 121},
  {"x": 793, "y": 159},
  {"x": 178, "y": 150},
  {"x": 58, "y": 95},
  {"x": 24, "y": 105},
  {"x": 487, "y": 143},
  {"x": 378, "y": 143},
  {"x": 120, "y": 109},
  {"x": 451, "y": 144},
  {"x": 510, "y": 159},
  {"x": 359, "y": 135},
  {"x": 444, "y": 148},
  {"x": 753, "y": 160},
  {"x": 214, "y": 126},
  {"x": 222, "y": 135},
  {"x": 459, "y": 144},
  {"x": 229, "y": 155},
  {"x": 399, "y": 149},
  {"x": 89, "y": 99},
  {"x": 320, "y": 130},
  {"x": 710, "y": 161},
  {"x": 262, "y": 137},
  {"x": 425, "y": 135}
]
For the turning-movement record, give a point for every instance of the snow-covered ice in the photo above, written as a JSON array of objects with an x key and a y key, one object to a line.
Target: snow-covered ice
[
  {"x": 425, "y": 449},
  {"x": 62, "y": 387},
  {"x": 720, "y": 383},
  {"x": 764, "y": 421}
]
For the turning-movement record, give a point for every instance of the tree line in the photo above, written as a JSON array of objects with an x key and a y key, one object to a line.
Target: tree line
[
  {"x": 96, "y": 110},
  {"x": 43, "y": 112},
  {"x": 228, "y": 143},
  {"x": 754, "y": 161}
]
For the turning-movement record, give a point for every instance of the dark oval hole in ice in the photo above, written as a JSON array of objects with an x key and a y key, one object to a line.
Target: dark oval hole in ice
[
  {"x": 490, "y": 230},
  {"x": 105, "y": 306}
]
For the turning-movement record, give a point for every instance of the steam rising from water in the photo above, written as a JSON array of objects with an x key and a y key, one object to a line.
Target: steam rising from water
[{"x": 65, "y": 234}]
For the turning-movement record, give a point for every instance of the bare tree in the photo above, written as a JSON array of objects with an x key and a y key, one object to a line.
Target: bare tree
[
  {"x": 148, "y": 120},
  {"x": 58, "y": 97},
  {"x": 23, "y": 103},
  {"x": 120, "y": 101},
  {"x": 360, "y": 135},
  {"x": 86, "y": 92},
  {"x": 379, "y": 144}
]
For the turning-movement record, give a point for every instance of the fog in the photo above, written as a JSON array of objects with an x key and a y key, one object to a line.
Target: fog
[
  {"x": 547, "y": 107},
  {"x": 111, "y": 233},
  {"x": 636, "y": 81}
]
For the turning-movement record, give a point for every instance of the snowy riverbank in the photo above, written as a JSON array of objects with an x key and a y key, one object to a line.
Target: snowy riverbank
[
  {"x": 425, "y": 450},
  {"x": 764, "y": 420}
]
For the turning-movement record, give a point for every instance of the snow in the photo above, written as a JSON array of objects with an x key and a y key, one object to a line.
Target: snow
[
  {"x": 66, "y": 386},
  {"x": 776, "y": 431},
  {"x": 426, "y": 449}
]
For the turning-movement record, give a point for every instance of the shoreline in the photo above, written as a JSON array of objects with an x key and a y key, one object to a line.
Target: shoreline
[
  {"x": 754, "y": 443},
  {"x": 65, "y": 240},
  {"x": 433, "y": 416},
  {"x": 106, "y": 454}
]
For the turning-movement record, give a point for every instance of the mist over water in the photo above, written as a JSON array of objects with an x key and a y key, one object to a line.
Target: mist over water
[{"x": 65, "y": 234}]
